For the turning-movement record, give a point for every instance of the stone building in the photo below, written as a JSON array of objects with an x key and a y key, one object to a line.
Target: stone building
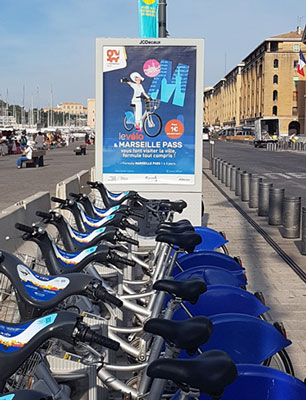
[{"x": 265, "y": 85}]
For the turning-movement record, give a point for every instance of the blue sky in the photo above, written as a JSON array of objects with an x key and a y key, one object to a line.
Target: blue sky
[{"x": 46, "y": 43}]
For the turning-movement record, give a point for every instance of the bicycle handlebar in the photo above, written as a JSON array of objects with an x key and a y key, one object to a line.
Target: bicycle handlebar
[
  {"x": 118, "y": 259},
  {"x": 126, "y": 239},
  {"x": 104, "y": 295},
  {"x": 126, "y": 224},
  {"x": 75, "y": 195},
  {"x": 43, "y": 214},
  {"x": 86, "y": 334},
  {"x": 136, "y": 214},
  {"x": 92, "y": 184},
  {"x": 25, "y": 228},
  {"x": 58, "y": 200}
]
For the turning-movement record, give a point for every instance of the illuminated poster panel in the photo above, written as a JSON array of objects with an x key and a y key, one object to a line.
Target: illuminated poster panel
[{"x": 149, "y": 114}]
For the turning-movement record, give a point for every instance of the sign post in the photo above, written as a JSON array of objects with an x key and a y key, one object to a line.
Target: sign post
[{"x": 149, "y": 111}]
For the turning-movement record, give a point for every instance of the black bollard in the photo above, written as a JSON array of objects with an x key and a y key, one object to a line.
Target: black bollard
[
  {"x": 238, "y": 182},
  {"x": 245, "y": 186},
  {"x": 254, "y": 188},
  {"x": 233, "y": 178},
  {"x": 228, "y": 175},
  {"x": 276, "y": 196},
  {"x": 303, "y": 231},
  {"x": 263, "y": 198},
  {"x": 291, "y": 217}
]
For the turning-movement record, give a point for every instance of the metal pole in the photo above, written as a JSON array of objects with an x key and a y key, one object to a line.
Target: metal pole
[
  {"x": 217, "y": 166},
  {"x": 291, "y": 217},
  {"x": 238, "y": 182},
  {"x": 211, "y": 152},
  {"x": 213, "y": 166},
  {"x": 233, "y": 178},
  {"x": 220, "y": 166},
  {"x": 254, "y": 189},
  {"x": 263, "y": 199},
  {"x": 162, "y": 20},
  {"x": 228, "y": 175},
  {"x": 304, "y": 230},
  {"x": 223, "y": 175},
  {"x": 276, "y": 196},
  {"x": 245, "y": 186}
]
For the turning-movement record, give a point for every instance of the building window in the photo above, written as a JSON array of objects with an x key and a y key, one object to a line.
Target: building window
[
  {"x": 275, "y": 63},
  {"x": 274, "y": 111},
  {"x": 273, "y": 46},
  {"x": 294, "y": 96},
  {"x": 295, "y": 64},
  {"x": 294, "y": 111},
  {"x": 275, "y": 79},
  {"x": 275, "y": 95},
  {"x": 296, "y": 47}
]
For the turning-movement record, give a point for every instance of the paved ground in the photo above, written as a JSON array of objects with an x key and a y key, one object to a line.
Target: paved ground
[
  {"x": 17, "y": 184},
  {"x": 284, "y": 291}
]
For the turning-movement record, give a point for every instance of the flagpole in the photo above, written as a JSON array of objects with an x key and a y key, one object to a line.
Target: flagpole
[{"x": 162, "y": 31}]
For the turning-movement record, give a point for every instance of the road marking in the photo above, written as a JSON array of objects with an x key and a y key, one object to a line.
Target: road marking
[{"x": 288, "y": 175}]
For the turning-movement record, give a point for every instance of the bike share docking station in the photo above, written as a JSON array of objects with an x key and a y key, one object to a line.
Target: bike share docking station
[{"x": 149, "y": 118}]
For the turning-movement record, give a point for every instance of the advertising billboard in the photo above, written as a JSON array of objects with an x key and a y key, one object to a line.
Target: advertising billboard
[{"x": 149, "y": 114}]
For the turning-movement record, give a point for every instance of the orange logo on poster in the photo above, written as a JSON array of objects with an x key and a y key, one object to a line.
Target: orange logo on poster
[
  {"x": 174, "y": 129},
  {"x": 113, "y": 55},
  {"x": 149, "y": 2}
]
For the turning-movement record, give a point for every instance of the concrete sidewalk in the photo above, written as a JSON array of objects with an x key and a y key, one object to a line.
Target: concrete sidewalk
[
  {"x": 284, "y": 291},
  {"x": 60, "y": 163}
]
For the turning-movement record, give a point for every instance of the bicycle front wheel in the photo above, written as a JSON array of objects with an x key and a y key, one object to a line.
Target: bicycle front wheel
[
  {"x": 152, "y": 125},
  {"x": 128, "y": 125}
]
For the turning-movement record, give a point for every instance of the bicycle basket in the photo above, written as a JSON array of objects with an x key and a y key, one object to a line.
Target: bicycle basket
[
  {"x": 8, "y": 305},
  {"x": 152, "y": 105},
  {"x": 22, "y": 379},
  {"x": 35, "y": 263}
]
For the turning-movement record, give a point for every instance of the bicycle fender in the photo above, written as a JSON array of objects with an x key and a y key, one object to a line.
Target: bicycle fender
[
  {"x": 256, "y": 382},
  {"x": 204, "y": 257},
  {"x": 220, "y": 299},
  {"x": 247, "y": 339},
  {"x": 130, "y": 116},
  {"x": 213, "y": 275},
  {"x": 211, "y": 239}
]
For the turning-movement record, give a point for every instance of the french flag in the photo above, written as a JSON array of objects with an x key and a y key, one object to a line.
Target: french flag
[{"x": 301, "y": 64}]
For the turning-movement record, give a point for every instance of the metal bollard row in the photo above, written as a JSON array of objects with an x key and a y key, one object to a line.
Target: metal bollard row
[{"x": 269, "y": 201}]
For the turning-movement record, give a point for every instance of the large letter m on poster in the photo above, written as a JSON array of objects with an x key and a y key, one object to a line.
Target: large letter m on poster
[{"x": 167, "y": 84}]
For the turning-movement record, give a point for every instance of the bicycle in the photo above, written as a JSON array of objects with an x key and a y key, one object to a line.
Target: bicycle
[{"x": 152, "y": 123}]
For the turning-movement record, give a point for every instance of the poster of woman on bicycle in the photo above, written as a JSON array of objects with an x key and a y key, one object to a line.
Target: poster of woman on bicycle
[{"x": 149, "y": 102}]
